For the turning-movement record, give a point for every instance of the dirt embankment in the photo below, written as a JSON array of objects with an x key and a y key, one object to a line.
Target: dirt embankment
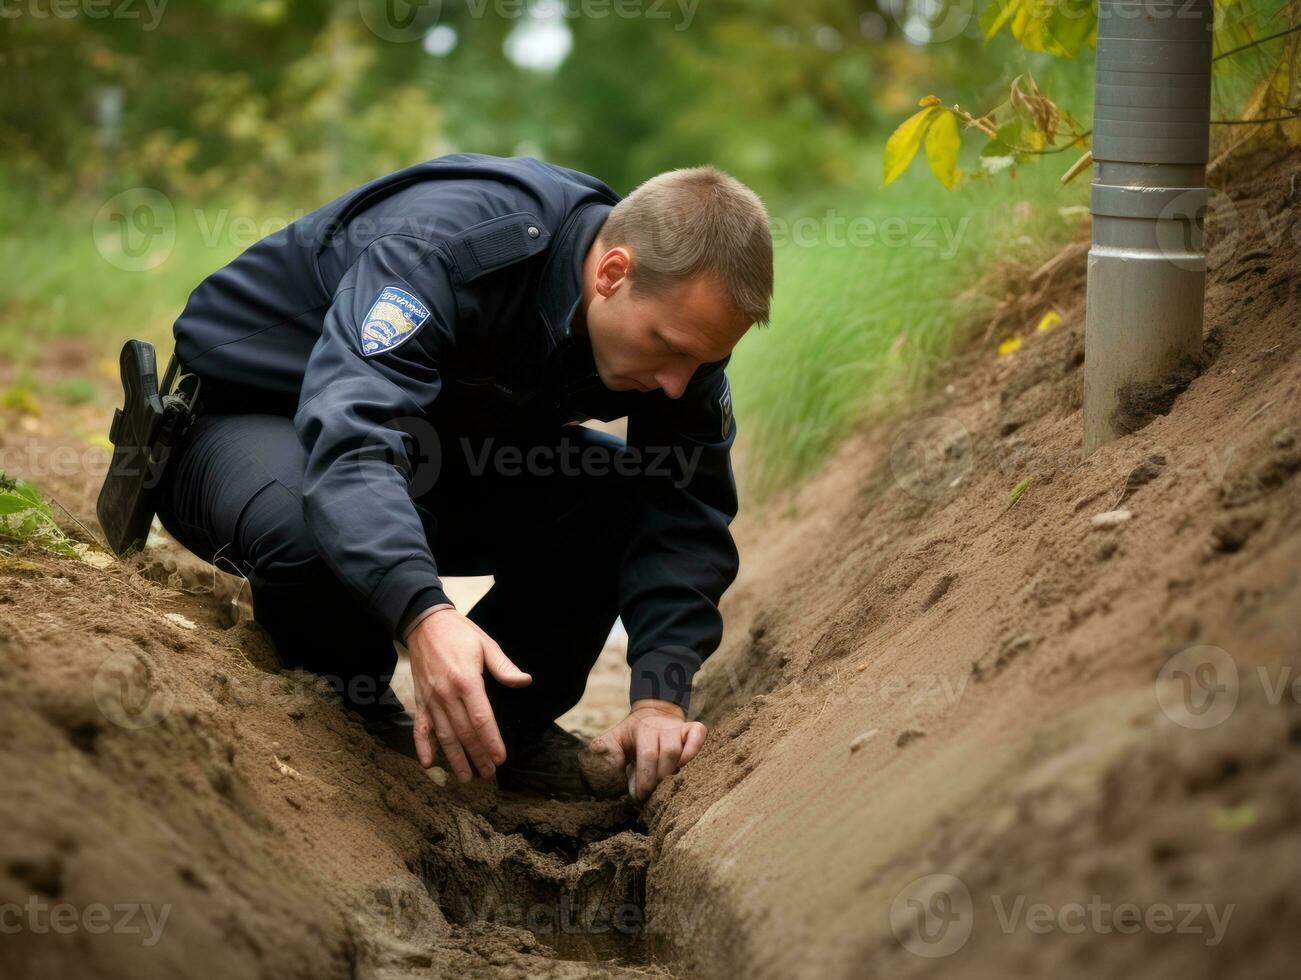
[
  {"x": 936, "y": 715},
  {"x": 970, "y": 719}
]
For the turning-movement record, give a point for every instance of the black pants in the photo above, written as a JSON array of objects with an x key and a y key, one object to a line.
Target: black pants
[{"x": 553, "y": 539}]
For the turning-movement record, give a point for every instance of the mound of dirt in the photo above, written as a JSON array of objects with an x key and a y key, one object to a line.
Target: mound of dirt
[
  {"x": 984, "y": 704},
  {"x": 175, "y": 805}
]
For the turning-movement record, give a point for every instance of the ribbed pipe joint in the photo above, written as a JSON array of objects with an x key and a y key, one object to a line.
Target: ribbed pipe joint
[{"x": 1152, "y": 91}]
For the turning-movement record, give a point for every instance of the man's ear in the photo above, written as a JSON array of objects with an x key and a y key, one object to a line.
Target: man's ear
[{"x": 612, "y": 269}]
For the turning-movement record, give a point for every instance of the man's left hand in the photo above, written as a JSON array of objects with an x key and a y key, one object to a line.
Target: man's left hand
[{"x": 656, "y": 738}]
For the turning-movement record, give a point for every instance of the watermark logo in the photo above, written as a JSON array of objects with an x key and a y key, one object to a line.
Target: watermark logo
[
  {"x": 932, "y": 916},
  {"x": 121, "y": 919},
  {"x": 930, "y": 457},
  {"x": 126, "y": 694},
  {"x": 135, "y": 230},
  {"x": 148, "y": 12},
  {"x": 931, "y": 21},
  {"x": 1198, "y": 687},
  {"x": 400, "y": 21}
]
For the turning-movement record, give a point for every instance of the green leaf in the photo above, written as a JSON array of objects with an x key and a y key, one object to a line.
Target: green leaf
[
  {"x": 1234, "y": 817},
  {"x": 11, "y": 503},
  {"x": 942, "y": 143},
  {"x": 1057, "y": 27},
  {"x": 993, "y": 17},
  {"x": 25, "y": 515},
  {"x": 904, "y": 142}
]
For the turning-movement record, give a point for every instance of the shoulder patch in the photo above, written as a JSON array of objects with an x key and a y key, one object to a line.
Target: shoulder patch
[
  {"x": 394, "y": 318},
  {"x": 725, "y": 407}
]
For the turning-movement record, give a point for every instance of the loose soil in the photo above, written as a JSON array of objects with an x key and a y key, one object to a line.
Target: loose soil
[{"x": 946, "y": 696}]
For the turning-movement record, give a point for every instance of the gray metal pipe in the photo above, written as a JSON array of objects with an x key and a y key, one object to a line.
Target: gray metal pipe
[{"x": 1147, "y": 265}]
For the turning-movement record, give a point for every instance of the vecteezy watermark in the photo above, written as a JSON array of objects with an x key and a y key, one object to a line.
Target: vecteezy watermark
[
  {"x": 570, "y": 459},
  {"x": 135, "y": 230},
  {"x": 412, "y": 445},
  {"x": 930, "y": 457},
  {"x": 1199, "y": 687},
  {"x": 835, "y": 230},
  {"x": 403, "y": 21},
  {"x": 97, "y": 918},
  {"x": 148, "y": 11},
  {"x": 569, "y": 915},
  {"x": 129, "y": 693},
  {"x": 932, "y": 21},
  {"x": 40, "y": 462},
  {"x": 934, "y": 916},
  {"x": 1100, "y": 916}
]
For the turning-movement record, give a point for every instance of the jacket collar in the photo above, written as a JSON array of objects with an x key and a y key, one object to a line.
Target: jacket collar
[{"x": 561, "y": 291}]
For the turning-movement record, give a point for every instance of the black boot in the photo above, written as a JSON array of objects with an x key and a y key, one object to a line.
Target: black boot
[{"x": 545, "y": 764}]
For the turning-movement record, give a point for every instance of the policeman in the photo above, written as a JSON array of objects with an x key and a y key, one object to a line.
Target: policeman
[{"x": 389, "y": 391}]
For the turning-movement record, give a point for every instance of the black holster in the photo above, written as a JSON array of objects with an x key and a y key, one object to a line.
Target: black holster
[{"x": 145, "y": 430}]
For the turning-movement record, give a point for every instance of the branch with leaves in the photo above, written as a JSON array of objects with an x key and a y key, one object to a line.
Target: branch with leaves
[{"x": 1027, "y": 124}]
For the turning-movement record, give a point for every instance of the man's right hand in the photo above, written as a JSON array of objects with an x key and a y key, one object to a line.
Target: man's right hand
[{"x": 448, "y": 655}]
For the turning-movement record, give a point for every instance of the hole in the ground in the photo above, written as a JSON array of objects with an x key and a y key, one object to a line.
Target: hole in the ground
[{"x": 573, "y": 874}]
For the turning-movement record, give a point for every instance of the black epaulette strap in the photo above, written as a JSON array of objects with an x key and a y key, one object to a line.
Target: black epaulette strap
[{"x": 496, "y": 243}]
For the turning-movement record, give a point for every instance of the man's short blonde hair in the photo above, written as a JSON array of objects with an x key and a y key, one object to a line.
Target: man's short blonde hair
[{"x": 684, "y": 224}]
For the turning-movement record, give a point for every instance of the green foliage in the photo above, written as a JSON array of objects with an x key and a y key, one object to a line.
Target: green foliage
[
  {"x": 1056, "y": 27},
  {"x": 25, "y": 516},
  {"x": 857, "y": 326},
  {"x": 75, "y": 391},
  {"x": 1028, "y": 123},
  {"x": 55, "y": 282}
]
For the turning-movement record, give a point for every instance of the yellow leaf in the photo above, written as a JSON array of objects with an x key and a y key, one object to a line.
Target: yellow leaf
[
  {"x": 903, "y": 143},
  {"x": 1048, "y": 321},
  {"x": 1009, "y": 346},
  {"x": 1234, "y": 817},
  {"x": 942, "y": 143}
]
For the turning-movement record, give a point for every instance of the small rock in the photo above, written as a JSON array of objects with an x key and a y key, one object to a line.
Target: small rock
[
  {"x": 1111, "y": 518},
  {"x": 911, "y": 735},
  {"x": 176, "y": 619},
  {"x": 861, "y": 740}
]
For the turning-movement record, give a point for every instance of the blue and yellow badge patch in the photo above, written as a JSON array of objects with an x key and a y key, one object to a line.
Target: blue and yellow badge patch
[{"x": 394, "y": 317}]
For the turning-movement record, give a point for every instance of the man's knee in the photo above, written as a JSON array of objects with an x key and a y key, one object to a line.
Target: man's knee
[{"x": 274, "y": 537}]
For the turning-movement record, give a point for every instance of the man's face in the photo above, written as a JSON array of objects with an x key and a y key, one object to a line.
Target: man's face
[{"x": 649, "y": 343}]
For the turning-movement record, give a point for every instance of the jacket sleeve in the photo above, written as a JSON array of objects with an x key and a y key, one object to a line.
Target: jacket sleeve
[
  {"x": 681, "y": 556},
  {"x": 361, "y": 417}
]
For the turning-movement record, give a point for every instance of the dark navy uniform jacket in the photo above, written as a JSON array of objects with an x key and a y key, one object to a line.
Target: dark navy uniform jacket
[{"x": 448, "y": 289}]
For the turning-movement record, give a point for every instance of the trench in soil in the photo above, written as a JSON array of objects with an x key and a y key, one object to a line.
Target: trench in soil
[{"x": 571, "y": 873}]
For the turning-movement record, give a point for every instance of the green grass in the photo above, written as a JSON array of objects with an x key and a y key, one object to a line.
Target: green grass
[
  {"x": 62, "y": 274},
  {"x": 853, "y": 325}
]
